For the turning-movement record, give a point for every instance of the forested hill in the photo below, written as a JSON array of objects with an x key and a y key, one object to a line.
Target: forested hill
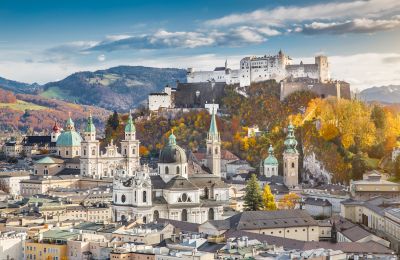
[{"x": 119, "y": 88}]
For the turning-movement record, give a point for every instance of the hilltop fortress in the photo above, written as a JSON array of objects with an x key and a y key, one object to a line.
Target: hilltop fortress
[
  {"x": 205, "y": 87},
  {"x": 293, "y": 77}
]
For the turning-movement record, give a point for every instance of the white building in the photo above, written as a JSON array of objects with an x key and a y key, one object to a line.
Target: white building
[
  {"x": 318, "y": 207},
  {"x": 96, "y": 164},
  {"x": 161, "y": 100},
  {"x": 257, "y": 69},
  {"x": 171, "y": 193},
  {"x": 219, "y": 74},
  {"x": 12, "y": 182},
  {"x": 12, "y": 245}
]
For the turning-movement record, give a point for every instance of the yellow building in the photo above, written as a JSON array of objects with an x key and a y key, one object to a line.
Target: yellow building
[{"x": 51, "y": 244}]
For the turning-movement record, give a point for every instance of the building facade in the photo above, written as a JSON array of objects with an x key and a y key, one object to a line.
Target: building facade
[{"x": 290, "y": 159}]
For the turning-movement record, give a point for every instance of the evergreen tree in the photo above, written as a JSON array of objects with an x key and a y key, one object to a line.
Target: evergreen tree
[
  {"x": 397, "y": 168},
  {"x": 268, "y": 199},
  {"x": 359, "y": 167},
  {"x": 253, "y": 199},
  {"x": 113, "y": 120}
]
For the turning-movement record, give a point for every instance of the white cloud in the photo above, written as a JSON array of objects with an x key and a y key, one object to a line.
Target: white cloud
[
  {"x": 363, "y": 25},
  {"x": 281, "y": 15},
  {"x": 360, "y": 70},
  {"x": 101, "y": 57}
]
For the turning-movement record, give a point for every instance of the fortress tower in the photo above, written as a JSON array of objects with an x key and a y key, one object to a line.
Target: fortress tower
[{"x": 323, "y": 68}]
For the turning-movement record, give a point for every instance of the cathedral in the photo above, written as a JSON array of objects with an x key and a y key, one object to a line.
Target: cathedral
[{"x": 174, "y": 191}]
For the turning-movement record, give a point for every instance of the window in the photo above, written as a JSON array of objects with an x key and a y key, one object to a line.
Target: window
[
  {"x": 93, "y": 152},
  {"x": 216, "y": 150},
  {"x": 76, "y": 152},
  {"x": 66, "y": 152},
  {"x": 292, "y": 164},
  {"x": 84, "y": 151},
  {"x": 144, "y": 196},
  {"x": 177, "y": 170},
  {"x": 123, "y": 198},
  {"x": 166, "y": 170},
  {"x": 116, "y": 198},
  {"x": 125, "y": 151}
]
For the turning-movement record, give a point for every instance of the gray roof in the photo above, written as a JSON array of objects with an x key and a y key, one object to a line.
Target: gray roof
[
  {"x": 317, "y": 202},
  {"x": 249, "y": 220},
  {"x": 356, "y": 233},
  {"x": 179, "y": 183},
  {"x": 181, "y": 225}
]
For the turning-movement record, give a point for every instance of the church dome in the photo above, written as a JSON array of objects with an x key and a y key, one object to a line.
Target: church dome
[
  {"x": 69, "y": 137},
  {"x": 172, "y": 153},
  {"x": 271, "y": 159}
]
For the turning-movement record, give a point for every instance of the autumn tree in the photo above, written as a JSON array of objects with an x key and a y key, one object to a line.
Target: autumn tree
[
  {"x": 268, "y": 198},
  {"x": 253, "y": 199},
  {"x": 289, "y": 201}
]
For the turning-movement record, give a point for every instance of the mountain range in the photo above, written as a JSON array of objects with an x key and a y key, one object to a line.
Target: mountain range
[
  {"x": 383, "y": 94},
  {"x": 124, "y": 87},
  {"x": 119, "y": 88}
]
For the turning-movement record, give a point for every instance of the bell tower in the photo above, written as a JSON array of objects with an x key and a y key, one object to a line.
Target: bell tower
[
  {"x": 90, "y": 149},
  {"x": 290, "y": 159},
  {"x": 214, "y": 147},
  {"x": 130, "y": 147}
]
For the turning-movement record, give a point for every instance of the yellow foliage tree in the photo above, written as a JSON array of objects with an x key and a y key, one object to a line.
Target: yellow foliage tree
[
  {"x": 288, "y": 201},
  {"x": 268, "y": 199}
]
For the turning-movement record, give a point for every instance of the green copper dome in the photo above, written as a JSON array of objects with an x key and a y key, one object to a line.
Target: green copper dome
[
  {"x": 90, "y": 128},
  {"x": 172, "y": 153},
  {"x": 69, "y": 137},
  {"x": 271, "y": 159},
  {"x": 130, "y": 127},
  {"x": 290, "y": 141}
]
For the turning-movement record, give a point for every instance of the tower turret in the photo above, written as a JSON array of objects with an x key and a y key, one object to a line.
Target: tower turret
[
  {"x": 290, "y": 159},
  {"x": 269, "y": 166},
  {"x": 55, "y": 133},
  {"x": 90, "y": 149},
  {"x": 130, "y": 147},
  {"x": 214, "y": 147}
]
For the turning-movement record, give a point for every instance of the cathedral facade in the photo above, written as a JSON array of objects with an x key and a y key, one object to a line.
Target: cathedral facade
[
  {"x": 173, "y": 192},
  {"x": 97, "y": 164}
]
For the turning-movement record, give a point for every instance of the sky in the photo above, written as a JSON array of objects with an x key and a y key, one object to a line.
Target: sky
[{"x": 42, "y": 41}]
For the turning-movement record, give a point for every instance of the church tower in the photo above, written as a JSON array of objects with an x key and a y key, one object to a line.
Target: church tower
[
  {"x": 130, "y": 147},
  {"x": 290, "y": 159},
  {"x": 214, "y": 147},
  {"x": 90, "y": 150},
  {"x": 55, "y": 133},
  {"x": 269, "y": 166}
]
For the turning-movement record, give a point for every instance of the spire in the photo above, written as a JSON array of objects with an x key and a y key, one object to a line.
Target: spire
[
  {"x": 70, "y": 124},
  {"x": 172, "y": 138},
  {"x": 130, "y": 127},
  {"x": 271, "y": 150},
  {"x": 90, "y": 128},
  {"x": 213, "y": 125},
  {"x": 226, "y": 64},
  {"x": 290, "y": 141}
]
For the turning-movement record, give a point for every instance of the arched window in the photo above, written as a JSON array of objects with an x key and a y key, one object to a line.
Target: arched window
[
  {"x": 135, "y": 196},
  {"x": 133, "y": 151},
  {"x": 156, "y": 215},
  {"x": 124, "y": 151},
  {"x": 123, "y": 198},
  {"x": 76, "y": 152},
  {"x": 184, "y": 197},
  {"x": 66, "y": 152},
  {"x": 184, "y": 215},
  {"x": 115, "y": 198},
  {"x": 84, "y": 152},
  {"x": 209, "y": 151},
  {"x": 216, "y": 150},
  {"x": 211, "y": 214},
  {"x": 93, "y": 152},
  {"x": 292, "y": 164},
  {"x": 166, "y": 170},
  {"x": 206, "y": 193},
  {"x": 144, "y": 196},
  {"x": 177, "y": 170},
  {"x": 144, "y": 220}
]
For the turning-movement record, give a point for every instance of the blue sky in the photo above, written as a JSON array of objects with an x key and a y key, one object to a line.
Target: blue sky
[{"x": 42, "y": 41}]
